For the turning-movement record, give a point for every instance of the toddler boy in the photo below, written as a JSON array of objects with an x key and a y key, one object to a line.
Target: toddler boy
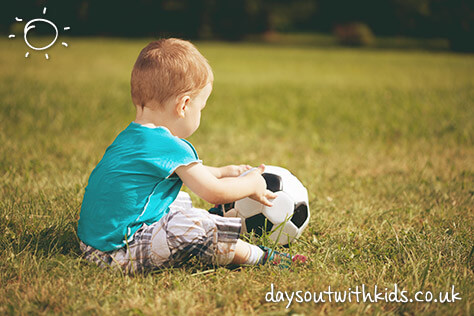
[{"x": 133, "y": 215}]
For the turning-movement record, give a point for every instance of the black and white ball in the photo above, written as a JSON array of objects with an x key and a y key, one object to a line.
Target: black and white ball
[{"x": 289, "y": 215}]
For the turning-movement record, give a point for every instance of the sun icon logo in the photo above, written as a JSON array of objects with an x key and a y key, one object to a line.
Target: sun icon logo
[{"x": 31, "y": 25}]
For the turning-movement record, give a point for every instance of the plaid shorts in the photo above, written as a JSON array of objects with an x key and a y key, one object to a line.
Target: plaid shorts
[{"x": 183, "y": 233}]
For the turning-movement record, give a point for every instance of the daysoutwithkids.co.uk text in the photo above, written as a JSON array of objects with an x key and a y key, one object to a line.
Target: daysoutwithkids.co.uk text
[{"x": 361, "y": 294}]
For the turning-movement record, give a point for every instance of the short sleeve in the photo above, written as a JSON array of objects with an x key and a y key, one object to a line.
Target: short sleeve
[
  {"x": 184, "y": 155},
  {"x": 165, "y": 153}
]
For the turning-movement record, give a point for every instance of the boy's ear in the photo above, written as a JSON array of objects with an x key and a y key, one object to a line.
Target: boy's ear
[{"x": 182, "y": 105}]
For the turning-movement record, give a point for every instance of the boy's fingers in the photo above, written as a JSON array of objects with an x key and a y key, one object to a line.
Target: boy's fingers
[
  {"x": 270, "y": 195},
  {"x": 266, "y": 202},
  {"x": 261, "y": 168},
  {"x": 245, "y": 168}
]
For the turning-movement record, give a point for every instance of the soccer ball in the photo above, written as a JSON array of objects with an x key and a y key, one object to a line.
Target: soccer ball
[{"x": 289, "y": 215}]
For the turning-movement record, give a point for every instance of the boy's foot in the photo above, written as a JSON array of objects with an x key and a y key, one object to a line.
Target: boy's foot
[
  {"x": 280, "y": 259},
  {"x": 217, "y": 210}
]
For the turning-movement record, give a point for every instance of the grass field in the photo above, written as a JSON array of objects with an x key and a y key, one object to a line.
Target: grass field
[{"x": 382, "y": 139}]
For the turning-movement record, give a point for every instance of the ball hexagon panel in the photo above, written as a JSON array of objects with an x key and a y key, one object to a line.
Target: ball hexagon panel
[
  {"x": 287, "y": 233},
  {"x": 281, "y": 210},
  {"x": 248, "y": 207},
  {"x": 290, "y": 184}
]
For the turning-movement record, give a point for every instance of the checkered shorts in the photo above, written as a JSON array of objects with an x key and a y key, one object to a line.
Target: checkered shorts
[{"x": 183, "y": 233}]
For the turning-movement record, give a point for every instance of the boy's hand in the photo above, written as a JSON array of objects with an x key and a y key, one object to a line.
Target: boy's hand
[
  {"x": 234, "y": 171},
  {"x": 261, "y": 195},
  {"x": 206, "y": 184}
]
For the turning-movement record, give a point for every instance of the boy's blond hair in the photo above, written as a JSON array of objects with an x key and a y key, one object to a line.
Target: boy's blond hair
[{"x": 168, "y": 68}]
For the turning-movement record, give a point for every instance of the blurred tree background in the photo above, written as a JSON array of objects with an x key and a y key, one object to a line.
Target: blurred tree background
[{"x": 353, "y": 22}]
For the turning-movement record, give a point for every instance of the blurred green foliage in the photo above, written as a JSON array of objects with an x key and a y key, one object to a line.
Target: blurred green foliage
[
  {"x": 235, "y": 19},
  {"x": 354, "y": 34}
]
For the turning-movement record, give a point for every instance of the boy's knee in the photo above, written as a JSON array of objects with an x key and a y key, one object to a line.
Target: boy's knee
[{"x": 159, "y": 248}]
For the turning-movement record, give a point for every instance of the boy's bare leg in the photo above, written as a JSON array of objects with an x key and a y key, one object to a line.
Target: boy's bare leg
[
  {"x": 249, "y": 254},
  {"x": 242, "y": 252}
]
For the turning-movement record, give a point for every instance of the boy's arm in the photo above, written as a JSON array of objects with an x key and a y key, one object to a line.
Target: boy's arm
[
  {"x": 206, "y": 185},
  {"x": 228, "y": 171}
]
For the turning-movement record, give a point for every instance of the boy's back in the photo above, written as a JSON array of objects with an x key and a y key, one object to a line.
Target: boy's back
[{"x": 132, "y": 184}]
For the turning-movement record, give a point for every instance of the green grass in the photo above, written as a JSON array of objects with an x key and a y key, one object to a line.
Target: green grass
[{"x": 382, "y": 139}]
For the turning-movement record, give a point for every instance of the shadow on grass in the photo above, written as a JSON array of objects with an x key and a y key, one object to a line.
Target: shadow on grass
[{"x": 52, "y": 240}]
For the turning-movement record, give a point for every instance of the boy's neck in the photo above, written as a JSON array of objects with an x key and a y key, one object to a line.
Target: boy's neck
[{"x": 154, "y": 118}]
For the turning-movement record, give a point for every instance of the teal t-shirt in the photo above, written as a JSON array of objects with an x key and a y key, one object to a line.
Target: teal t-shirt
[{"x": 134, "y": 183}]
